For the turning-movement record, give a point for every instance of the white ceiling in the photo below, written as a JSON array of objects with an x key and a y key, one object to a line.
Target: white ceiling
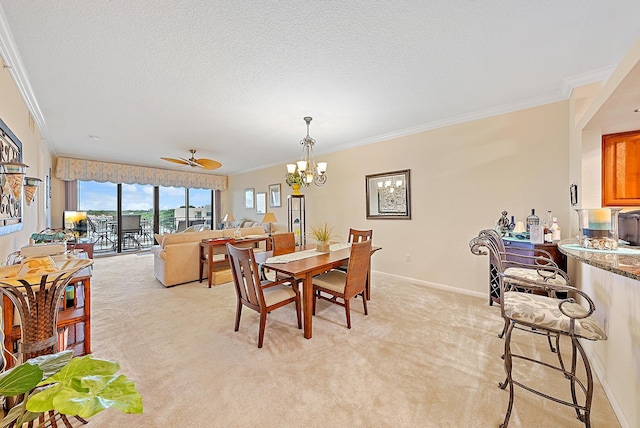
[{"x": 233, "y": 79}]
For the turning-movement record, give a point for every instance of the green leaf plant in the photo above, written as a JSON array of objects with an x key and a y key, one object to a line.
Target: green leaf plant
[{"x": 80, "y": 386}]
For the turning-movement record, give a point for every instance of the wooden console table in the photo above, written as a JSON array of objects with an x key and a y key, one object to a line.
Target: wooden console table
[{"x": 218, "y": 247}]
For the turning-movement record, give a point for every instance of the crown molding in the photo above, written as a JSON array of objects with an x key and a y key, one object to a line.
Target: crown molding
[
  {"x": 13, "y": 62},
  {"x": 563, "y": 93}
]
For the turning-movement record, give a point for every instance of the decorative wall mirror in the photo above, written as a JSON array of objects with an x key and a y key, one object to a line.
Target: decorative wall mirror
[
  {"x": 10, "y": 157},
  {"x": 389, "y": 195}
]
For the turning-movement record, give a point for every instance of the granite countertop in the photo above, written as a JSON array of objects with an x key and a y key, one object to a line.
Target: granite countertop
[{"x": 625, "y": 261}]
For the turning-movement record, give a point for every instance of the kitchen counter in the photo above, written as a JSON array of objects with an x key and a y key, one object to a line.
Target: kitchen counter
[{"x": 624, "y": 261}]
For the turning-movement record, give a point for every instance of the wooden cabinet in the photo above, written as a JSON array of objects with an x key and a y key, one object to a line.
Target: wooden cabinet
[
  {"x": 525, "y": 248},
  {"x": 621, "y": 169}
]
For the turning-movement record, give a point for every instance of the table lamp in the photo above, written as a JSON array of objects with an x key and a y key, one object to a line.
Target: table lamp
[
  {"x": 228, "y": 218},
  {"x": 268, "y": 219}
]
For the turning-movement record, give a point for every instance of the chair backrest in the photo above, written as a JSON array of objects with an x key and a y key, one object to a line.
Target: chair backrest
[
  {"x": 283, "y": 243},
  {"x": 246, "y": 277},
  {"x": 92, "y": 225},
  {"x": 130, "y": 223},
  {"x": 359, "y": 235},
  {"x": 358, "y": 269}
]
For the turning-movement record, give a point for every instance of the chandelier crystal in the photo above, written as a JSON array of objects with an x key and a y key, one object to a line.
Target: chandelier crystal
[{"x": 306, "y": 170}]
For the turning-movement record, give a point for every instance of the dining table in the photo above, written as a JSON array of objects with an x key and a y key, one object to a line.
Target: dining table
[{"x": 314, "y": 263}]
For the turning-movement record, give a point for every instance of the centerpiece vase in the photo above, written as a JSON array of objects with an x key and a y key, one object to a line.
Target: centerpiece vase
[
  {"x": 296, "y": 189},
  {"x": 323, "y": 246},
  {"x": 598, "y": 228}
]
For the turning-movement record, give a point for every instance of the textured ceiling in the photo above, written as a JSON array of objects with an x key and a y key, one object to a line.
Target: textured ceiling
[{"x": 233, "y": 79}]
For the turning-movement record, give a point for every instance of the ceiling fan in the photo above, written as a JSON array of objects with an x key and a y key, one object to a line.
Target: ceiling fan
[{"x": 195, "y": 163}]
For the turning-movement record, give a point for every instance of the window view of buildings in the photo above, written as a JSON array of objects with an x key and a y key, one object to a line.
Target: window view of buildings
[{"x": 138, "y": 225}]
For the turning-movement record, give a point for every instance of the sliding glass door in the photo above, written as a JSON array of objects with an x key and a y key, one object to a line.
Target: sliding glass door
[{"x": 124, "y": 217}]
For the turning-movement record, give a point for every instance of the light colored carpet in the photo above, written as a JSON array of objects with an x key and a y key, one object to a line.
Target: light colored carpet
[{"x": 421, "y": 358}]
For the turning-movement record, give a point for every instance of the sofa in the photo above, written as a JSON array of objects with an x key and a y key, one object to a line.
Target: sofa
[{"x": 176, "y": 259}]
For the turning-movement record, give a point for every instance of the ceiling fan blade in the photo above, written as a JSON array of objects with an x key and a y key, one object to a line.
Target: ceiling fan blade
[
  {"x": 180, "y": 161},
  {"x": 208, "y": 163}
]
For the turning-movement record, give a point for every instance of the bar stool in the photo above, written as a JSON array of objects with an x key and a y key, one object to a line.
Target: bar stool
[{"x": 538, "y": 310}]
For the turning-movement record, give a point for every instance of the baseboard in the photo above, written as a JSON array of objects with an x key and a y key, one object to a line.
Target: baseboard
[{"x": 436, "y": 285}]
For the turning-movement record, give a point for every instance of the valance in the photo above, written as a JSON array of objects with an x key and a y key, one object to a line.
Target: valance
[{"x": 79, "y": 169}]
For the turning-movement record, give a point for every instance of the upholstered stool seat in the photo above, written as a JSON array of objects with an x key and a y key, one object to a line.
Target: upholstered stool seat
[
  {"x": 533, "y": 275},
  {"x": 544, "y": 312}
]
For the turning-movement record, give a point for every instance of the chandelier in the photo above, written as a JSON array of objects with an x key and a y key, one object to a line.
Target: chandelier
[{"x": 306, "y": 169}]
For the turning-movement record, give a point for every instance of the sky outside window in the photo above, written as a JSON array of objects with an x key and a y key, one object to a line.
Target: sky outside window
[{"x": 103, "y": 196}]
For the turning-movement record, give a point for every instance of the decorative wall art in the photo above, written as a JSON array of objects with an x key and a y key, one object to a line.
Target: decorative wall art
[
  {"x": 274, "y": 196},
  {"x": 248, "y": 198},
  {"x": 261, "y": 203},
  {"x": 389, "y": 195},
  {"x": 11, "y": 176}
]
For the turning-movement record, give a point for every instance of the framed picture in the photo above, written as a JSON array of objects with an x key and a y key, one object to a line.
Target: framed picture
[
  {"x": 11, "y": 181},
  {"x": 274, "y": 196},
  {"x": 261, "y": 203},
  {"x": 248, "y": 198},
  {"x": 389, "y": 195}
]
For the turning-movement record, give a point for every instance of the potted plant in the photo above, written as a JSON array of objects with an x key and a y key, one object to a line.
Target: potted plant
[
  {"x": 322, "y": 234},
  {"x": 294, "y": 180},
  {"x": 80, "y": 387}
]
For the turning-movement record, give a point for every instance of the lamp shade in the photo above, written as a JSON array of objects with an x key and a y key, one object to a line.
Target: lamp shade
[
  {"x": 228, "y": 217},
  {"x": 269, "y": 218}
]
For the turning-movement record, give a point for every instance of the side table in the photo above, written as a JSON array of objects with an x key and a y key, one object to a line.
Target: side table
[
  {"x": 37, "y": 299},
  {"x": 218, "y": 247}
]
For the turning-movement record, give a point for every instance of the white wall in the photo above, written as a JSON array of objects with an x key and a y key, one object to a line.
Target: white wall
[
  {"x": 35, "y": 153},
  {"x": 462, "y": 177}
]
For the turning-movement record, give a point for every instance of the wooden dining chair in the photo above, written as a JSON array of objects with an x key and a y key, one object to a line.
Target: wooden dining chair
[
  {"x": 261, "y": 296},
  {"x": 356, "y": 235},
  {"x": 359, "y": 235},
  {"x": 283, "y": 243},
  {"x": 346, "y": 285}
]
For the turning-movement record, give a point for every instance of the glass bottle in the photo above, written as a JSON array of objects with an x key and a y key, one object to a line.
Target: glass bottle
[
  {"x": 548, "y": 234},
  {"x": 532, "y": 219},
  {"x": 555, "y": 230},
  {"x": 512, "y": 225},
  {"x": 549, "y": 221}
]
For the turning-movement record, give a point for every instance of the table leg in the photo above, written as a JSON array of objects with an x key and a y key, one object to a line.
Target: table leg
[
  {"x": 201, "y": 261},
  {"x": 210, "y": 264},
  {"x": 368, "y": 284},
  {"x": 307, "y": 305}
]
